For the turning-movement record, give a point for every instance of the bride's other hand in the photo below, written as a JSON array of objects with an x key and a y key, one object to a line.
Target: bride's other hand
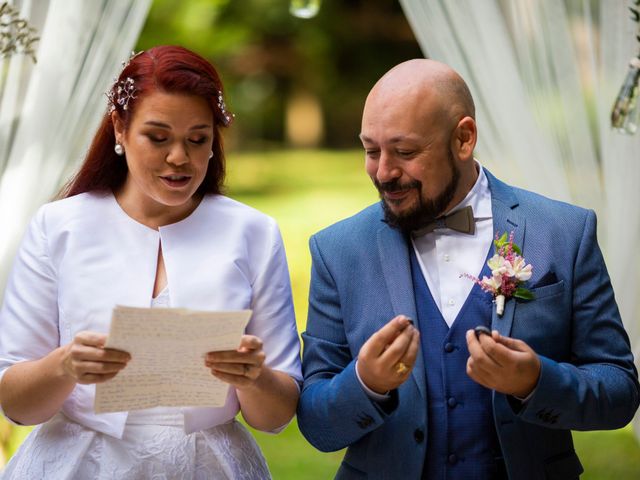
[
  {"x": 241, "y": 367},
  {"x": 87, "y": 361},
  {"x": 267, "y": 397}
]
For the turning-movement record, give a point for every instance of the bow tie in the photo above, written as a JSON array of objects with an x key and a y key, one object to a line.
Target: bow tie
[{"x": 461, "y": 221}]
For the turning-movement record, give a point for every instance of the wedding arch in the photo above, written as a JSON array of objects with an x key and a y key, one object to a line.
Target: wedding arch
[{"x": 545, "y": 75}]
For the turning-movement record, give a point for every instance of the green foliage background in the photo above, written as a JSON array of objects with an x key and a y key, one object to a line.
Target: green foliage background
[{"x": 265, "y": 55}]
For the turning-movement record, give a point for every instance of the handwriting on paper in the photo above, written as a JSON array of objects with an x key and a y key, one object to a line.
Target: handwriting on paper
[{"x": 167, "y": 347}]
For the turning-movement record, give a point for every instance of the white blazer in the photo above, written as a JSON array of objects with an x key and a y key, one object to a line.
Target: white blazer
[{"x": 83, "y": 255}]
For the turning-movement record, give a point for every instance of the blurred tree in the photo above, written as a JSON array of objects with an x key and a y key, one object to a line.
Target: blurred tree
[{"x": 275, "y": 65}]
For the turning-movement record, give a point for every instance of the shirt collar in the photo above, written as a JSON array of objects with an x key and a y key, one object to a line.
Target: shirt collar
[{"x": 479, "y": 197}]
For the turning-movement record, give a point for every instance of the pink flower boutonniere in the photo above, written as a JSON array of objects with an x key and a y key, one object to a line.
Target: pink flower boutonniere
[{"x": 508, "y": 271}]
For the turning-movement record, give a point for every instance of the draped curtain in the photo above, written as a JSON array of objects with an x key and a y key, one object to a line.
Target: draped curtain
[
  {"x": 545, "y": 74},
  {"x": 50, "y": 110}
]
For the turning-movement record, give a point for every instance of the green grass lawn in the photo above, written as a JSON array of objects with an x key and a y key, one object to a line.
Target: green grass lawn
[{"x": 306, "y": 191}]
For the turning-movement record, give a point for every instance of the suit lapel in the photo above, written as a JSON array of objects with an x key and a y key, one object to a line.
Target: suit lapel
[
  {"x": 396, "y": 268},
  {"x": 506, "y": 218}
]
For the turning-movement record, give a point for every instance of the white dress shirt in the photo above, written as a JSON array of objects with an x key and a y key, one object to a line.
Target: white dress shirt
[
  {"x": 445, "y": 254},
  {"x": 83, "y": 255}
]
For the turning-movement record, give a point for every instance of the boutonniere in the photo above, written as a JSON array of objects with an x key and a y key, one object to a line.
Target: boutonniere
[{"x": 509, "y": 271}]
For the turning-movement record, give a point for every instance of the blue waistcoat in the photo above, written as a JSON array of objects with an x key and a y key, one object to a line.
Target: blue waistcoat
[{"x": 461, "y": 439}]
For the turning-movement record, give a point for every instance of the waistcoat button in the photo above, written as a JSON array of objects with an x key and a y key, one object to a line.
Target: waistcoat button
[
  {"x": 453, "y": 459},
  {"x": 418, "y": 434},
  {"x": 448, "y": 347}
]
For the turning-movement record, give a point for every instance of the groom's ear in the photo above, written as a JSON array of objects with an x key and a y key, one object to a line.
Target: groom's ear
[{"x": 464, "y": 138}]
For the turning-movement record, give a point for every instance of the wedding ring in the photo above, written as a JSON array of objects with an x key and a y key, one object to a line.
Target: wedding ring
[{"x": 401, "y": 368}]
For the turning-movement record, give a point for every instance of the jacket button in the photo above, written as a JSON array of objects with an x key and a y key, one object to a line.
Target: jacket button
[
  {"x": 448, "y": 347},
  {"x": 418, "y": 435},
  {"x": 364, "y": 421},
  {"x": 453, "y": 459},
  {"x": 452, "y": 402}
]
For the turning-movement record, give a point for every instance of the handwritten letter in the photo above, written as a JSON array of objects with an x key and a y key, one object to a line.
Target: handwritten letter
[{"x": 167, "y": 347}]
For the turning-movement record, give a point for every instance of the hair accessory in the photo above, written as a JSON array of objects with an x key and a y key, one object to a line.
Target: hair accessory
[
  {"x": 119, "y": 149},
  {"x": 228, "y": 117},
  {"x": 123, "y": 91}
]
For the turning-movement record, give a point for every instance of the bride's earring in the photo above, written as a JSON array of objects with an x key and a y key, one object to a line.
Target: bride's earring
[
  {"x": 210, "y": 154},
  {"x": 119, "y": 149}
]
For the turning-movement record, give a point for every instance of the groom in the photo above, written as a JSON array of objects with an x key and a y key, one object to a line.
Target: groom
[{"x": 393, "y": 369}]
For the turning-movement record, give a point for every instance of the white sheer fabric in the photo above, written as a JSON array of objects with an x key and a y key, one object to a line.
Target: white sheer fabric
[
  {"x": 49, "y": 111},
  {"x": 545, "y": 74}
]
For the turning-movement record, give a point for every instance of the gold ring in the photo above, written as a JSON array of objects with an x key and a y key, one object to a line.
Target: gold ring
[{"x": 401, "y": 368}]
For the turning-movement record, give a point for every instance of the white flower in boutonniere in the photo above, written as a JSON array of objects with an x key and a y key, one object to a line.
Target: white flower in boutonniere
[{"x": 509, "y": 271}]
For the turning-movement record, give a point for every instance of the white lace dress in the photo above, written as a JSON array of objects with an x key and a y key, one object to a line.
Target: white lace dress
[{"x": 154, "y": 446}]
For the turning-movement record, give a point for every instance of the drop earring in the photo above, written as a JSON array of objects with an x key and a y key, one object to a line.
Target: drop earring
[{"x": 119, "y": 149}]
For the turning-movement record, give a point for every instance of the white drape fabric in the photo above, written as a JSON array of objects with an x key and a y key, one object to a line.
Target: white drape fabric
[
  {"x": 544, "y": 75},
  {"x": 50, "y": 110}
]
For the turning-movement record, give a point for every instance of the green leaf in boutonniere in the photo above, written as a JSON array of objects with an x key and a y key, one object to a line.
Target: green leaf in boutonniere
[{"x": 524, "y": 294}]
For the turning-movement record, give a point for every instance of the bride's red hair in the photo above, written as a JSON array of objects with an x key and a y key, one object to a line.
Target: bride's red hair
[{"x": 170, "y": 69}]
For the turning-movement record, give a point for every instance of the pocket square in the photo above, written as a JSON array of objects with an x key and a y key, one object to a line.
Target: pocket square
[{"x": 548, "y": 278}]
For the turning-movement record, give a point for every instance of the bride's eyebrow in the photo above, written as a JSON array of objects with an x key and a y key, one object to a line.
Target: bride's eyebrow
[{"x": 154, "y": 123}]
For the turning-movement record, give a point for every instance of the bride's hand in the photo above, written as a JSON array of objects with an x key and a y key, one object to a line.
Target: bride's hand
[
  {"x": 241, "y": 367},
  {"x": 87, "y": 361}
]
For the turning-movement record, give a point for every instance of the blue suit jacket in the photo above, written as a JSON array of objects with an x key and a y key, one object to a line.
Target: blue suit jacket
[{"x": 361, "y": 279}]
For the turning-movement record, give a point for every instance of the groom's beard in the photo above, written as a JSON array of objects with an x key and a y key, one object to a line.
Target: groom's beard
[{"x": 425, "y": 211}]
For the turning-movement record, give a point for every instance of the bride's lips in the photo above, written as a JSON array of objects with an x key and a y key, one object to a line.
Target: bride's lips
[{"x": 176, "y": 181}]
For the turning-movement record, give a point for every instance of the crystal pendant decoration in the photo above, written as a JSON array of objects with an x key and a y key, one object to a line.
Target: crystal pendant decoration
[
  {"x": 304, "y": 8},
  {"x": 16, "y": 34},
  {"x": 625, "y": 115}
]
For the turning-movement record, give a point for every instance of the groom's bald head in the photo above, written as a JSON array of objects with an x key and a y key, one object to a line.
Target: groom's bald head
[{"x": 429, "y": 83}]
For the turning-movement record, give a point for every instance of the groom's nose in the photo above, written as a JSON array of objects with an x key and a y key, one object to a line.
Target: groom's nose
[{"x": 388, "y": 168}]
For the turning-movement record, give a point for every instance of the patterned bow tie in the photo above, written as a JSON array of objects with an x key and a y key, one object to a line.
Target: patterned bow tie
[{"x": 461, "y": 221}]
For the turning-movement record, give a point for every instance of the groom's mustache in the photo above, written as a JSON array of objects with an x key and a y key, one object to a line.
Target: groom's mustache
[{"x": 395, "y": 186}]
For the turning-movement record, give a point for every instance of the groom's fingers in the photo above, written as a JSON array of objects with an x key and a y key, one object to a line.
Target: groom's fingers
[
  {"x": 380, "y": 341},
  {"x": 504, "y": 350},
  {"x": 482, "y": 351},
  {"x": 379, "y": 356},
  {"x": 511, "y": 343},
  {"x": 398, "y": 347},
  {"x": 409, "y": 358}
]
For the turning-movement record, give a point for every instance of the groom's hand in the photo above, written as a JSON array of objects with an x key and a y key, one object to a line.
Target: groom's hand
[
  {"x": 381, "y": 357},
  {"x": 504, "y": 364}
]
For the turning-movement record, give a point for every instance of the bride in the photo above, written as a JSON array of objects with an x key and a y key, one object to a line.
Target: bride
[{"x": 144, "y": 223}]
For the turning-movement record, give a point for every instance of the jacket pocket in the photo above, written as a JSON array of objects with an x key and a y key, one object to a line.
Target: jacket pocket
[
  {"x": 548, "y": 290},
  {"x": 565, "y": 466}
]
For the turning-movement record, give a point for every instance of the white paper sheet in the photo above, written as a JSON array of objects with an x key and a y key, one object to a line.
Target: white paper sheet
[{"x": 167, "y": 347}]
